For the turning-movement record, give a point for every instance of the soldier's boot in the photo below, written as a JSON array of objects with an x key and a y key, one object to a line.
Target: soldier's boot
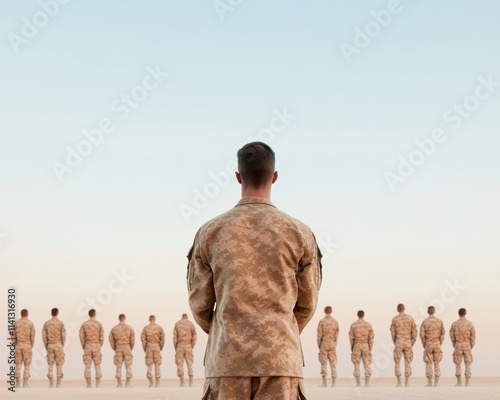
[
  {"x": 459, "y": 381},
  {"x": 407, "y": 381},
  {"x": 399, "y": 381},
  {"x": 157, "y": 382},
  {"x": 190, "y": 380},
  {"x": 367, "y": 381},
  {"x": 58, "y": 383},
  {"x": 51, "y": 383},
  {"x": 182, "y": 384},
  {"x": 358, "y": 382},
  {"x": 97, "y": 383},
  {"x": 323, "y": 382},
  {"x": 467, "y": 381},
  {"x": 436, "y": 381},
  {"x": 127, "y": 383},
  {"x": 119, "y": 383},
  {"x": 151, "y": 384},
  {"x": 333, "y": 381},
  {"x": 429, "y": 382},
  {"x": 25, "y": 384},
  {"x": 89, "y": 383}
]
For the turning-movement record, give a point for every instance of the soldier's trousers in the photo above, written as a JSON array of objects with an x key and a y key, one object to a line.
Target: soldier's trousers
[
  {"x": 403, "y": 348},
  {"x": 361, "y": 351},
  {"x": 328, "y": 354},
  {"x": 92, "y": 352},
  {"x": 462, "y": 351},
  {"x": 184, "y": 352},
  {"x": 432, "y": 355},
  {"x": 254, "y": 388},
  {"x": 153, "y": 357},
  {"x": 123, "y": 354},
  {"x": 55, "y": 353},
  {"x": 24, "y": 356}
]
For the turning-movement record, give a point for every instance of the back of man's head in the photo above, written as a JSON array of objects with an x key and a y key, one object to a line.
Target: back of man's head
[
  {"x": 462, "y": 312},
  {"x": 54, "y": 312},
  {"x": 361, "y": 314},
  {"x": 91, "y": 313},
  {"x": 24, "y": 312},
  {"x": 256, "y": 164},
  {"x": 431, "y": 310},
  {"x": 122, "y": 317},
  {"x": 401, "y": 307},
  {"x": 328, "y": 310}
]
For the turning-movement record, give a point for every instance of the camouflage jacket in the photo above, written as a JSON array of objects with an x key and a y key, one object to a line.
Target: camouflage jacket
[
  {"x": 184, "y": 333},
  {"x": 328, "y": 332},
  {"x": 403, "y": 327},
  {"x": 432, "y": 330},
  {"x": 153, "y": 334},
  {"x": 53, "y": 332},
  {"x": 25, "y": 331},
  {"x": 91, "y": 332},
  {"x": 122, "y": 335},
  {"x": 361, "y": 332},
  {"x": 462, "y": 331},
  {"x": 253, "y": 279}
]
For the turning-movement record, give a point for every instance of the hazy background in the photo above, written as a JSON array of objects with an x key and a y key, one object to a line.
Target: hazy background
[{"x": 131, "y": 207}]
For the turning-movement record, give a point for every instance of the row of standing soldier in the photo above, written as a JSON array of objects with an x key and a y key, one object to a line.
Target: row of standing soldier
[
  {"x": 121, "y": 339},
  {"x": 404, "y": 336}
]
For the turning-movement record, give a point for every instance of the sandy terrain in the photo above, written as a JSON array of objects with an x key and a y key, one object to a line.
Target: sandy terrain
[{"x": 481, "y": 389}]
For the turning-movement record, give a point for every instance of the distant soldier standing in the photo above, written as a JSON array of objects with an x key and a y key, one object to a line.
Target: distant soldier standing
[
  {"x": 92, "y": 339},
  {"x": 361, "y": 337},
  {"x": 54, "y": 337},
  {"x": 184, "y": 342},
  {"x": 404, "y": 335},
  {"x": 25, "y": 340},
  {"x": 463, "y": 337},
  {"x": 153, "y": 340},
  {"x": 432, "y": 336},
  {"x": 122, "y": 339},
  {"x": 328, "y": 332}
]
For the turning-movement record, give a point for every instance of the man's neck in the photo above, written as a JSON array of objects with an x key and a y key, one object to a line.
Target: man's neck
[{"x": 262, "y": 192}]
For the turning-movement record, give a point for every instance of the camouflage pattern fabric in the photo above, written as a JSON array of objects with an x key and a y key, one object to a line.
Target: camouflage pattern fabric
[
  {"x": 184, "y": 338},
  {"x": 92, "y": 339},
  {"x": 25, "y": 340},
  {"x": 54, "y": 337},
  {"x": 153, "y": 340},
  {"x": 463, "y": 338},
  {"x": 404, "y": 335},
  {"x": 122, "y": 339},
  {"x": 244, "y": 259},
  {"x": 327, "y": 334},
  {"x": 361, "y": 337},
  {"x": 432, "y": 336}
]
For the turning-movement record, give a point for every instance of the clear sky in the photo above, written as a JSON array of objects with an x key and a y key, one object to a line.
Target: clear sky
[{"x": 119, "y": 129}]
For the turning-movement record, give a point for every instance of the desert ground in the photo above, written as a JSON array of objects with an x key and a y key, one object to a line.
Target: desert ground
[{"x": 381, "y": 389}]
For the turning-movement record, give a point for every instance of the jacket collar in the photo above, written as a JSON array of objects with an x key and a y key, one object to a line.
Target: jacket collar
[{"x": 254, "y": 200}]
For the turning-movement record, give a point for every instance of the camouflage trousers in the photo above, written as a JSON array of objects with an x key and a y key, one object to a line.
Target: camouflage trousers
[
  {"x": 92, "y": 352},
  {"x": 361, "y": 351},
  {"x": 55, "y": 354},
  {"x": 328, "y": 354},
  {"x": 462, "y": 351},
  {"x": 184, "y": 352},
  {"x": 123, "y": 354},
  {"x": 432, "y": 355},
  {"x": 254, "y": 388},
  {"x": 153, "y": 357},
  {"x": 24, "y": 356},
  {"x": 403, "y": 348}
]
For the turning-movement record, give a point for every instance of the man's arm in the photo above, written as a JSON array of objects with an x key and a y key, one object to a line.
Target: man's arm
[
  {"x": 132, "y": 338},
  {"x": 336, "y": 333},
  {"x": 441, "y": 333},
  {"x": 351, "y": 337},
  {"x": 371, "y": 338},
  {"x": 63, "y": 334},
  {"x": 162, "y": 338},
  {"x": 422, "y": 333},
  {"x": 413, "y": 332},
  {"x": 320, "y": 334},
  {"x": 82, "y": 336},
  {"x": 101, "y": 335},
  {"x": 193, "y": 336},
  {"x": 44, "y": 335},
  {"x": 200, "y": 287},
  {"x": 32, "y": 335},
  {"x": 143, "y": 338},
  {"x": 472, "y": 336},
  {"x": 452, "y": 334},
  {"x": 393, "y": 331},
  {"x": 308, "y": 284}
]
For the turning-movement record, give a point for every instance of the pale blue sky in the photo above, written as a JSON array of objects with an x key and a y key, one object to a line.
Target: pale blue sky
[{"x": 227, "y": 81}]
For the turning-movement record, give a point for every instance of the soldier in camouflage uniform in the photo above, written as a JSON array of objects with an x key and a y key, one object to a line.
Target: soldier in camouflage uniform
[
  {"x": 122, "y": 340},
  {"x": 25, "y": 339},
  {"x": 54, "y": 337},
  {"x": 404, "y": 335},
  {"x": 153, "y": 340},
  {"x": 184, "y": 342},
  {"x": 432, "y": 336},
  {"x": 92, "y": 339},
  {"x": 361, "y": 338},
  {"x": 463, "y": 338},
  {"x": 254, "y": 275},
  {"x": 328, "y": 332}
]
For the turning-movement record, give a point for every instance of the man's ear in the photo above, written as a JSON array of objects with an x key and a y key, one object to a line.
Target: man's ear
[
  {"x": 238, "y": 177},
  {"x": 275, "y": 176}
]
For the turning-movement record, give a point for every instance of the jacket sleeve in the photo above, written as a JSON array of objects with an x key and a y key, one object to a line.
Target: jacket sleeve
[
  {"x": 162, "y": 338},
  {"x": 193, "y": 336},
  {"x": 371, "y": 338},
  {"x": 132, "y": 339},
  {"x": 44, "y": 335},
  {"x": 422, "y": 333},
  {"x": 320, "y": 334},
  {"x": 393, "y": 331},
  {"x": 32, "y": 335},
  {"x": 143, "y": 339},
  {"x": 472, "y": 336},
  {"x": 200, "y": 286},
  {"x": 63, "y": 334},
  {"x": 82, "y": 336},
  {"x": 308, "y": 284}
]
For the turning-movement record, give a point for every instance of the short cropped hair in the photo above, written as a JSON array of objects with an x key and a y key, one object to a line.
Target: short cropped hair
[
  {"x": 361, "y": 313},
  {"x": 256, "y": 163},
  {"x": 24, "y": 312},
  {"x": 92, "y": 313},
  {"x": 401, "y": 307},
  {"x": 462, "y": 312},
  {"x": 328, "y": 310},
  {"x": 431, "y": 309},
  {"x": 54, "y": 312},
  {"x": 121, "y": 317}
]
